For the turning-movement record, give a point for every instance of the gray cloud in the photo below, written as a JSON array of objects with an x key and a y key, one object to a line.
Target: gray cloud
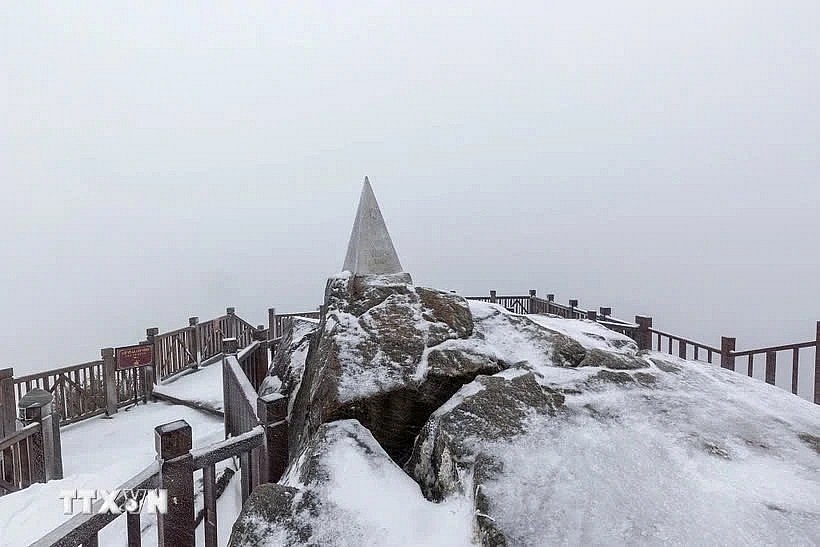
[{"x": 160, "y": 162}]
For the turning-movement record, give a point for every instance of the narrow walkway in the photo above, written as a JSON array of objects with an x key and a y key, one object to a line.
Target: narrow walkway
[{"x": 200, "y": 389}]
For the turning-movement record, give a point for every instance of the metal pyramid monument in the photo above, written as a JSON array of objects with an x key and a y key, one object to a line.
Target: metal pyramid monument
[{"x": 370, "y": 251}]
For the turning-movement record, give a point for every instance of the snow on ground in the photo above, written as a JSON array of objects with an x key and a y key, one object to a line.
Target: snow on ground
[
  {"x": 203, "y": 386},
  {"x": 705, "y": 457},
  {"x": 588, "y": 333},
  {"x": 369, "y": 500},
  {"x": 100, "y": 453}
]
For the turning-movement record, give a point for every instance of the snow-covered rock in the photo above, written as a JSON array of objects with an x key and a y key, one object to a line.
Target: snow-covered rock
[
  {"x": 344, "y": 490},
  {"x": 526, "y": 430},
  {"x": 370, "y": 360}
]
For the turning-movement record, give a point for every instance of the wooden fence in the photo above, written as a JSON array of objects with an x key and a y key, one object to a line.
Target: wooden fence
[
  {"x": 32, "y": 453},
  {"x": 649, "y": 338},
  {"x": 256, "y": 433}
]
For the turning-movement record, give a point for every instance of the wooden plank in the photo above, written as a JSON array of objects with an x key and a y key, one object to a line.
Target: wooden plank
[
  {"x": 751, "y": 366},
  {"x": 37, "y": 457},
  {"x": 787, "y": 347},
  {"x": 54, "y": 372},
  {"x": 209, "y": 494},
  {"x": 771, "y": 365},
  {"x": 76, "y": 530},
  {"x": 132, "y": 526},
  {"x": 19, "y": 435},
  {"x": 25, "y": 463}
]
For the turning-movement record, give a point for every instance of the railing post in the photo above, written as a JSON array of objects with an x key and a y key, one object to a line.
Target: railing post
[
  {"x": 531, "y": 307},
  {"x": 194, "y": 349},
  {"x": 771, "y": 367},
  {"x": 493, "y": 297},
  {"x": 176, "y": 475},
  {"x": 605, "y": 312},
  {"x": 272, "y": 334},
  {"x": 727, "y": 346},
  {"x": 156, "y": 370},
  {"x": 230, "y": 346},
  {"x": 110, "y": 380},
  {"x": 38, "y": 406},
  {"x": 573, "y": 303},
  {"x": 232, "y": 330},
  {"x": 8, "y": 421},
  {"x": 644, "y": 338},
  {"x": 272, "y": 410},
  {"x": 8, "y": 406},
  {"x": 817, "y": 365},
  {"x": 592, "y": 315}
]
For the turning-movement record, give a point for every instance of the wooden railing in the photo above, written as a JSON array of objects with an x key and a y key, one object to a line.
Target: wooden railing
[
  {"x": 22, "y": 460},
  {"x": 771, "y": 354},
  {"x": 649, "y": 338},
  {"x": 184, "y": 348},
  {"x": 279, "y": 321},
  {"x": 254, "y": 362},
  {"x": 79, "y": 390},
  {"x": 84, "y": 529},
  {"x": 256, "y": 433},
  {"x": 32, "y": 453},
  {"x": 239, "y": 406}
]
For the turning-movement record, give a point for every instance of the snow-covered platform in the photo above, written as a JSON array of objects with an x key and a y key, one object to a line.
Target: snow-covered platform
[{"x": 102, "y": 453}]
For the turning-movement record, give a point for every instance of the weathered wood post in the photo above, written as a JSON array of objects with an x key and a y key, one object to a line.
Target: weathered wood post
[
  {"x": 550, "y": 300},
  {"x": 605, "y": 312},
  {"x": 272, "y": 411},
  {"x": 228, "y": 348},
  {"x": 644, "y": 334},
  {"x": 176, "y": 475},
  {"x": 817, "y": 365},
  {"x": 110, "y": 380},
  {"x": 8, "y": 406},
  {"x": 573, "y": 303},
  {"x": 233, "y": 332},
  {"x": 37, "y": 406},
  {"x": 727, "y": 346},
  {"x": 194, "y": 349},
  {"x": 272, "y": 334},
  {"x": 493, "y": 297},
  {"x": 771, "y": 367},
  {"x": 532, "y": 304},
  {"x": 156, "y": 369},
  {"x": 592, "y": 315},
  {"x": 8, "y": 421}
]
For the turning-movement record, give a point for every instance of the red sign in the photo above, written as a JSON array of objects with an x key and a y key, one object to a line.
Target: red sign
[{"x": 135, "y": 356}]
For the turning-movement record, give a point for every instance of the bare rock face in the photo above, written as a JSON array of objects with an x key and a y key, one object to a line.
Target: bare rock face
[{"x": 380, "y": 357}]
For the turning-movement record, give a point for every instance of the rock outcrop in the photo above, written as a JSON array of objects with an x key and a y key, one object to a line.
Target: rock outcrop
[
  {"x": 371, "y": 360},
  {"x": 521, "y": 430}
]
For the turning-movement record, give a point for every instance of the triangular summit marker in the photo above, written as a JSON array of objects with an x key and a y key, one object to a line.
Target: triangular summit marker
[{"x": 370, "y": 251}]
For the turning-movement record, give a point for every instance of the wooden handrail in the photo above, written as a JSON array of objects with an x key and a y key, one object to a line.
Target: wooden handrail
[
  {"x": 800, "y": 345},
  {"x": 19, "y": 435},
  {"x": 63, "y": 370},
  {"x": 686, "y": 341},
  {"x": 216, "y": 452},
  {"x": 77, "y": 530}
]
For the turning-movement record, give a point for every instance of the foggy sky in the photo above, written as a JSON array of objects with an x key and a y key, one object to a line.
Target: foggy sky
[{"x": 164, "y": 161}]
